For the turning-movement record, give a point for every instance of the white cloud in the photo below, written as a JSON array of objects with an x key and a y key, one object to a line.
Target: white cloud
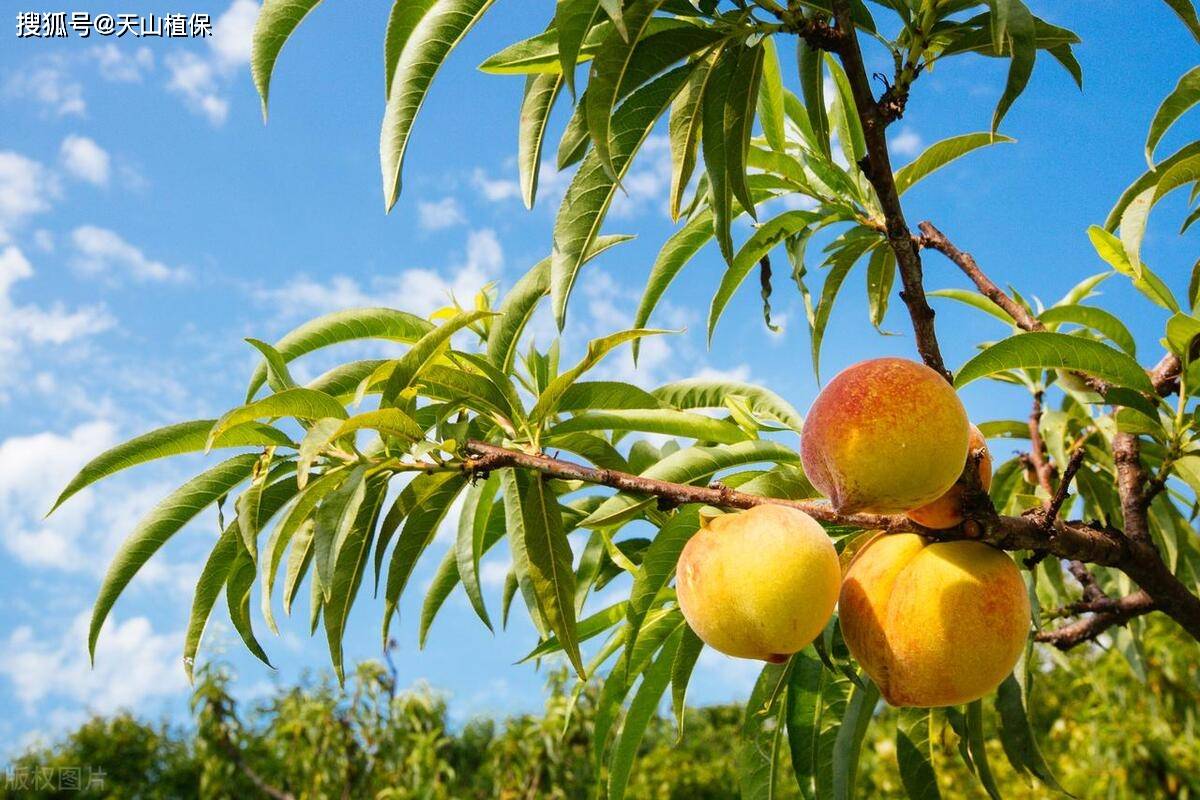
[
  {"x": 492, "y": 574},
  {"x": 419, "y": 291},
  {"x": 646, "y": 184},
  {"x": 43, "y": 240},
  {"x": 22, "y": 325},
  {"x": 85, "y": 159},
  {"x": 495, "y": 189},
  {"x": 906, "y": 143},
  {"x": 26, "y": 188},
  {"x": 99, "y": 250},
  {"x": 134, "y": 663},
  {"x": 121, "y": 64},
  {"x": 438, "y": 214},
  {"x": 202, "y": 78},
  {"x": 49, "y": 83}
]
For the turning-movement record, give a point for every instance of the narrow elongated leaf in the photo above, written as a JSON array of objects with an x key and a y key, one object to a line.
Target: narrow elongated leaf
[
  {"x": 1113, "y": 251},
  {"x": 343, "y": 326},
  {"x": 850, "y": 736},
  {"x": 591, "y": 191},
  {"x": 761, "y": 242},
  {"x": 277, "y": 20},
  {"x": 804, "y": 718},
  {"x": 975, "y": 300},
  {"x": 237, "y": 599},
  {"x": 977, "y": 746},
  {"x": 419, "y": 530},
  {"x": 287, "y": 529},
  {"x": 335, "y": 520},
  {"x": 1097, "y": 319},
  {"x": 422, "y": 33},
  {"x": 763, "y": 734},
  {"x": 470, "y": 541},
  {"x": 739, "y": 122},
  {"x": 881, "y": 276},
  {"x": 812, "y": 85},
  {"x": 600, "y": 395},
  {"x": 163, "y": 521},
  {"x": 683, "y": 131},
  {"x": 1016, "y": 734},
  {"x": 704, "y": 393},
  {"x": 641, "y": 711},
  {"x": 942, "y": 153},
  {"x": 542, "y": 54},
  {"x": 841, "y": 261},
  {"x": 658, "y": 564},
  {"x": 351, "y": 562},
  {"x": 1022, "y": 39},
  {"x": 1147, "y": 180},
  {"x": 663, "y": 421},
  {"x": 299, "y": 403},
  {"x": 713, "y": 144},
  {"x": 1186, "y": 12},
  {"x": 672, "y": 258},
  {"x": 913, "y": 754},
  {"x": 184, "y": 437},
  {"x": 587, "y": 628},
  {"x": 212, "y": 580},
  {"x": 540, "y": 93},
  {"x": 686, "y": 656},
  {"x": 545, "y": 544},
  {"x": 278, "y": 377},
  {"x": 771, "y": 111},
  {"x": 1046, "y": 350},
  {"x": 1185, "y": 95},
  {"x": 572, "y": 20},
  {"x": 844, "y": 114}
]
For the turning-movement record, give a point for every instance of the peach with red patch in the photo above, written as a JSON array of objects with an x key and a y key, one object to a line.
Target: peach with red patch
[
  {"x": 934, "y": 624},
  {"x": 885, "y": 436},
  {"x": 760, "y": 583},
  {"x": 947, "y": 510}
]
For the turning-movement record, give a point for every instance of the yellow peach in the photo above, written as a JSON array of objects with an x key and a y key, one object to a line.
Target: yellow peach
[
  {"x": 947, "y": 510},
  {"x": 760, "y": 583},
  {"x": 934, "y": 624},
  {"x": 886, "y": 435}
]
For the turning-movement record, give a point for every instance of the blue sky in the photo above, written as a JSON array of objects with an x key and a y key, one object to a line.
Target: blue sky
[{"x": 149, "y": 222}]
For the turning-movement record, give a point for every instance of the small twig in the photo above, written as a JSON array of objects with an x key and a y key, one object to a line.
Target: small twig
[
  {"x": 1104, "y": 615},
  {"x": 1042, "y": 468},
  {"x": 1064, "y": 486}
]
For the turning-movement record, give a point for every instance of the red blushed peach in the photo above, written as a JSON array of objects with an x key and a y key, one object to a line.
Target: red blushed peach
[
  {"x": 947, "y": 510},
  {"x": 885, "y": 436},
  {"x": 934, "y": 624}
]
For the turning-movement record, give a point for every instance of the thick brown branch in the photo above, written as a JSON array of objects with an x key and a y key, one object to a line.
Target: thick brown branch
[
  {"x": 1104, "y": 614},
  {"x": 877, "y": 167},
  {"x": 1037, "y": 451},
  {"x": 1131, "y": 484}
]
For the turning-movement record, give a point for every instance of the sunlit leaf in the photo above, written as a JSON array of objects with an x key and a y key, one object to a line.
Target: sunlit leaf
[{"x": 1048, "y": 350}]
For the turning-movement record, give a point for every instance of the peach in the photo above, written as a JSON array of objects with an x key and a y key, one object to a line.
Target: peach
[
  {"x": 947, "y": 510},
  {"x": 886, "y": 436},
  {"x": 760, "y": 583},
  {"x": 934, "y": 624}
]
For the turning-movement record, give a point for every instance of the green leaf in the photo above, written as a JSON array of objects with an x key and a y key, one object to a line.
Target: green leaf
[
  {"x": 686, "y": 656},
  {"x": 1181, "y": 330},
  {"x": 277, "y": 20},
  {"x": 975, "y": 300},
  {"x": 335, "y": 519},
  {"x": 406, "y": 368},
  {"x": 939, "y": 155},
  {"x": 517, "y": 307},
  {"x": 572, "y": 20},
  {"x": 299, "y": 403},
  {"x": 762, "y": 734},
  {"x": 1146, "y": 181},
  {"x": 803, "y": 711},
  {"x": 420, "y": 528},
  {"x": 641, "y": 711},
  {"x": 978, "y": 749},
  {"x": 163, "y": 521},
  {"x": 713, "y": 144},
  {"x": 545, "y": 543},
  {"x": 844, "y": 114},
  {"x": 812, "y": 85},
  {"x": 1016, "y": 734},
  {"x": 658, "y": 564},
  {"x": 237, "y": 599},
  {"x": 1097, "y": 319},
  {"x": 278, "y": 377},
  {"x": 608, "y": 70},
  {"x": 1046, "y": 350},
  {"x": 540, "y": 93},
  {"x": 689, "y": 466},
  {"x": 1022, "y": 44},
  {"x": 703, "y": 393},
  {"x": 588, "y": 628},
  {"x": 739, "y": 122},
  {"x": 850, "y": 736},
  {"x": 545, "y": 53},
  {"x": 771, "y": 112},
  {"x": 1187, "y": 13},
  {"x": 184, "y": 437},
  {"x": 549, "y": 400},
  {"x": 761, "y": 242},
  {"x": 343, "y": 326},
  {"x": 663, "y": 421},
  {"x": 208, "y": 587},
  {"x": 470, "y": 541},
  {"x": 683, "y": 133},
  {"x": 853, "y": 246},
  {"x": 914, "y": 756},
  {"x": 351, "y": 563},
  {"x": 881, "y": 276},
  {"x": 1113, "y": 251},
  {"x": 604, "y": 395},
  {"x": 592, "y": 189},
  {"x": 1185, "y": 95},
  {"x": 422, "y": 33},
  {"x": 674, "y": 256}
]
